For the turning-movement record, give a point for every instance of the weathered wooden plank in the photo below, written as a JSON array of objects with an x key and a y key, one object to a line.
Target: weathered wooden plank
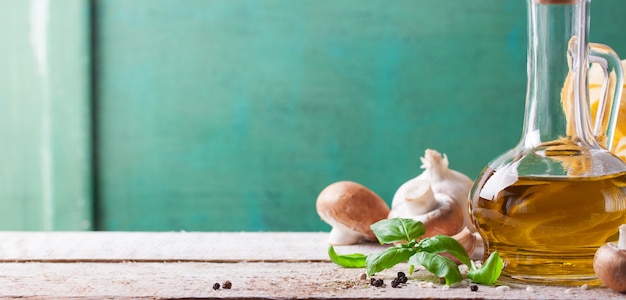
[
  {"x": 260, "y": 280},
  {"x": 152, "y": 265},
  {"x": 168, "y": 246}
]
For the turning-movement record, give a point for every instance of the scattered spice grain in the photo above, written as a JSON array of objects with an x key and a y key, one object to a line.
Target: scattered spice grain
[
  {"x": 227, "y": 284},
  {"x": 503, "y": 288}
]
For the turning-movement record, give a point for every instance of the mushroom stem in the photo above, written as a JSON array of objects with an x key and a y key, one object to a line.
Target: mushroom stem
[
  {"x": 621, "y": 242},
  {"x": 342, "y": 235},
  {"x": 419, "y": 197}
]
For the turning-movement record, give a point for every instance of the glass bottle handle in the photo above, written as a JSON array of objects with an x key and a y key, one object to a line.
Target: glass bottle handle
[{"x": 611, "y": 93}]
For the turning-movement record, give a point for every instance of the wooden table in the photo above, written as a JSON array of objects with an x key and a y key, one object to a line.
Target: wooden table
[{"x": 154, "y": 265}]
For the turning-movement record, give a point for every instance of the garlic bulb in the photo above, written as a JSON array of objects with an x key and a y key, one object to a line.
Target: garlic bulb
[
  {"x": 442, "y": 180},
  {"x": 445, "y": 216},
  {"x": 472, "y": 242}
]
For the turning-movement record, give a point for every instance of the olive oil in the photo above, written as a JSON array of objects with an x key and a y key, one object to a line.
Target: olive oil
[
  {"x": 547, "y": 204},
  {"x": 548, "y": 229}
]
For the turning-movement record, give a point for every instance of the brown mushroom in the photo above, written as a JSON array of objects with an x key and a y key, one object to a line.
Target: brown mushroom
[
  {"x": 609, "y": 263},
  {"x": 350, "y": 208}
]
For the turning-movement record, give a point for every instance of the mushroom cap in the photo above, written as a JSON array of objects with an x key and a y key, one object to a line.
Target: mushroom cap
[
  {"x": 353, "y": 205},
  {"x": 609, "y": 264}
]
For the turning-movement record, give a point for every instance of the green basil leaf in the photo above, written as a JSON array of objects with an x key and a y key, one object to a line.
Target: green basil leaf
[
  {"x": 388, "y": 258},
  {"x": 443, "y": 243},
  {"x": 438, "y": 265},
  {"x": 397, "y": 230},
  {"x": 355, "y": 260},
  {"x": 490, "y": 271}
]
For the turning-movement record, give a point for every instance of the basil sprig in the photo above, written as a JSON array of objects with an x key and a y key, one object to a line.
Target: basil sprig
[
  {"x": 355, "y": 260},
  {"x": 425, "y": 252}
]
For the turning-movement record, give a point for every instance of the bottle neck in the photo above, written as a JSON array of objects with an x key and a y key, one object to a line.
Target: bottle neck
[{"x": 557, "y": 72}]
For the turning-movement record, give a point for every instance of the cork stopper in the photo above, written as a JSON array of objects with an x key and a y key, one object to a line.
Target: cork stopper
[{"x": 558, "y": 1}]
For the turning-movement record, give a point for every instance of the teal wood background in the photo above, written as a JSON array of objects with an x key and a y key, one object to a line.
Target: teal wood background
[{"x": 234, "y": 115}]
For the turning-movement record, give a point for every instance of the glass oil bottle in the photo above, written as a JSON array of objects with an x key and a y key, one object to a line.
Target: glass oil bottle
[{"x": 548, "y": 204}]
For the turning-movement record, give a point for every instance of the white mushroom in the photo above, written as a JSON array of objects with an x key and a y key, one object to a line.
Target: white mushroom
[{"x": 350, "y": 208}]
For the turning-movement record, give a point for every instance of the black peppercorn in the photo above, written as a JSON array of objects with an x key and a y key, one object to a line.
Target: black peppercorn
[
  {"x": 473, "y": 288},
  {"x": 402, "y": 277},
  {"x": 378, "y": 283},
  {"x": 216, "y": 286},
  {"x": 395, "y": 283},
  {"x": 227, "y": 284}
]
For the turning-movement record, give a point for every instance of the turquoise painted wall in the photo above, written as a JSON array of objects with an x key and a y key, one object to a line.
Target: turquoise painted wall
[
  {"x": 234, "y": 115},
  {"x": 45, "y": 109}
]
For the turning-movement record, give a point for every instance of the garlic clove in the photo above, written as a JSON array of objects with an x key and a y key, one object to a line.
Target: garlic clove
[
  {"x": 472, "y": 242},
  {"x": 621, "y": 242},
  {"x": 466, "y": 239},
  {"x": 446, "y": 218},
  {"x": 479, "y": 248},
  {"x": 419, "y": 197}
]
